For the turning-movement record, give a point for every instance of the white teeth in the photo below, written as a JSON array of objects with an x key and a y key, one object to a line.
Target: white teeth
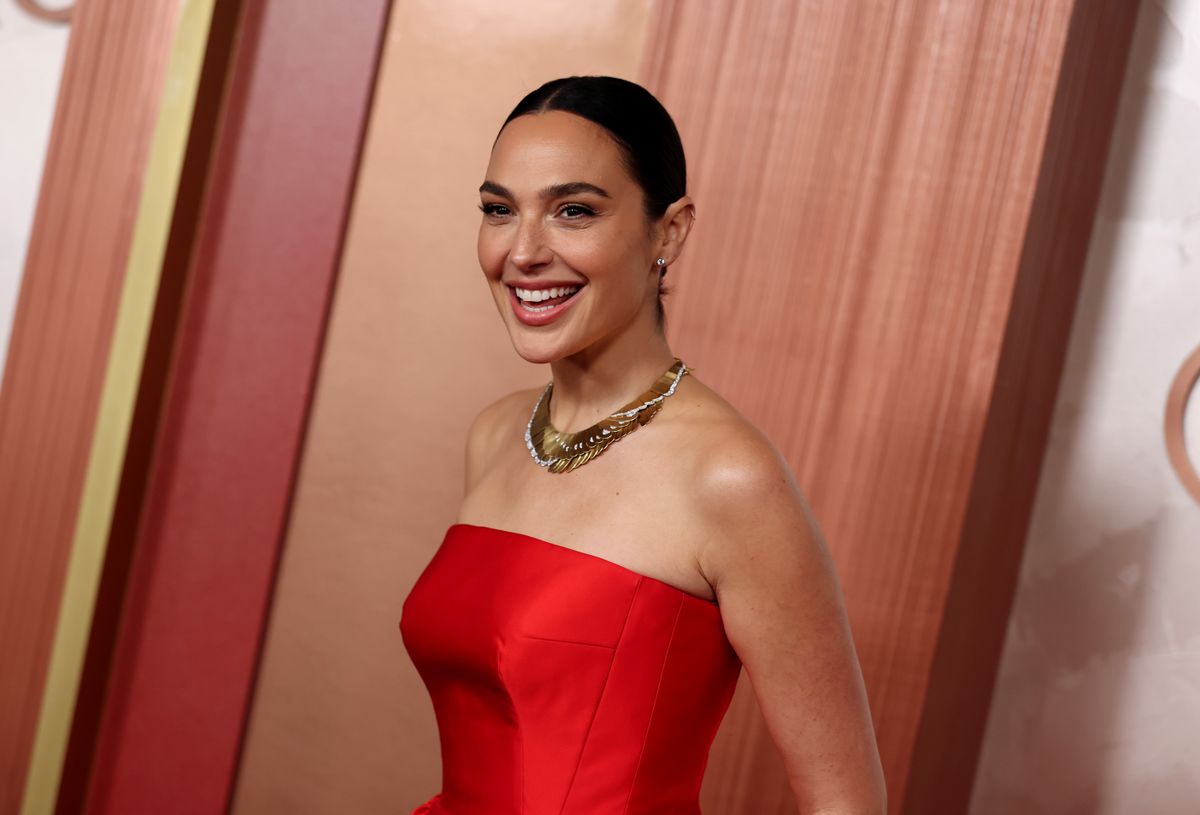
[{"x": 538, "y": 295}]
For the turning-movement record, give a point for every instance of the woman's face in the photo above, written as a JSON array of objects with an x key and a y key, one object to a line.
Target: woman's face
[{"x": 565, "y": 243}]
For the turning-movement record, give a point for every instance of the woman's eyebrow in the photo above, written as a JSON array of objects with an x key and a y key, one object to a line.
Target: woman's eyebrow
[
  {"x": 495, "y": 189},
  {"x": 572, "y": 188},
  {"x": 553, "y": 191}
]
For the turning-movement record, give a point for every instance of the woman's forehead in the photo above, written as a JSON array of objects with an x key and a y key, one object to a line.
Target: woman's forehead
[{"x": 554, "y": 147}]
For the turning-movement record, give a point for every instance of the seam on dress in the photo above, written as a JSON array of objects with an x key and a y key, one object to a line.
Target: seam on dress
[
  {"x": 650, "y": 719},
  {"x": 568, "y": 642},
  {"x": 603, "y": 690},
  {"x": 516, "y": 719}
]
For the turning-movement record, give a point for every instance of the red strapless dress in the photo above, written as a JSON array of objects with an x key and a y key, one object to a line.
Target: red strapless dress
[{"x": 562, "y": 682}]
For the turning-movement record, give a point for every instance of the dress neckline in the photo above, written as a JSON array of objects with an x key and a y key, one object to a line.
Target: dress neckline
[{"x": 521, "y": 535}]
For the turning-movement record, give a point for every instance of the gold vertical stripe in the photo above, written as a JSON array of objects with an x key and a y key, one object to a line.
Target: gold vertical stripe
[{"x": 131, "y": 332}]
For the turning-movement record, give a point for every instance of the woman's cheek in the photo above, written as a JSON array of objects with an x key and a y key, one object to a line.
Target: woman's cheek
[{"x": 491, "y": 256}]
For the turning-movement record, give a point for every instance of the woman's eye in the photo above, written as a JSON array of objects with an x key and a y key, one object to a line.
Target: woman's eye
[
  {"x": 494, "y": 209},
  {"x": 576, "y": 211}
]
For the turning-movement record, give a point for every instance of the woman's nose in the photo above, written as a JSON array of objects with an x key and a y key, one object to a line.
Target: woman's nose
[{"x": 529, "y": 249}]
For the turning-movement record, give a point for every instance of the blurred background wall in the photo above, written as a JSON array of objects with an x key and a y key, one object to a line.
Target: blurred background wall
[
  {"x": 893, "y": 147},
  {"x": 1097, "y": 704},
  {"x": 31, "y": 61}
]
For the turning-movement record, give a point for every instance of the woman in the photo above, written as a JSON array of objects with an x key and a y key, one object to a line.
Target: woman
[{"x": 582, "y": 626}]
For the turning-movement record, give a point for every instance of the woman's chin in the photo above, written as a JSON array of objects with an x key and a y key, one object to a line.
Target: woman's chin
[
  {"x": 539, "y": 358},
  {"x": 539, "y": 353}
]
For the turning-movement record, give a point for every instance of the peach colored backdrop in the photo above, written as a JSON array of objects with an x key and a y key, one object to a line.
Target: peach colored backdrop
[{"x": 341, "y": 721}]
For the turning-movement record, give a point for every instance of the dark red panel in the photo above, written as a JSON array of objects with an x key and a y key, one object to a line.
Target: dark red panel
[{"x": 251, "y": 325}]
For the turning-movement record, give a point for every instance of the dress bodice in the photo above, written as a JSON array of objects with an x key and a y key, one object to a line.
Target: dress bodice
[{"x": 563, "y": 682}]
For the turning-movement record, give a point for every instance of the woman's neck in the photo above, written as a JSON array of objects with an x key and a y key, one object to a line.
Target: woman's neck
[{"x": 594, "y": 383}]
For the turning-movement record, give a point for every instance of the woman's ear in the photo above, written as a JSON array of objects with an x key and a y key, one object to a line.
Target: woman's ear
[{"x": 674, "y": 226}]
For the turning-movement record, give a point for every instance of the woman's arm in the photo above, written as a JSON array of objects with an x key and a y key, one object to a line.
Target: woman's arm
[{"x": 783, "y": 611}]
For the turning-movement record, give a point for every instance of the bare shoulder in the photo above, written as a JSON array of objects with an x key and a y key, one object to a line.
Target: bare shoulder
[
  {"x": 744, "y": 495},
  {"x": 732, "y": 458},
  {"x": 493, "y": 426},
  {"x": 783, "y": 611}
]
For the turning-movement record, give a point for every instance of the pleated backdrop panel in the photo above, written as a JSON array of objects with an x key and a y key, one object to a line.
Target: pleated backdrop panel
[
  {"x": 62, "y": 333},
  {"x": 894, "y": 205}
]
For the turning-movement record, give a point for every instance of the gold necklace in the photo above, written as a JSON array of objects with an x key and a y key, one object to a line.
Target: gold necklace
[{"x": 562, "y": 452}]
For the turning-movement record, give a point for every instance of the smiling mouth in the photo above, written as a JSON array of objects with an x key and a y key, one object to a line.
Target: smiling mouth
[{"x": 539, "y": 300}]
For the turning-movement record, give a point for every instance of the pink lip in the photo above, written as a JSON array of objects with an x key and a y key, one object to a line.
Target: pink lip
[{"x": 537, "y": 318}]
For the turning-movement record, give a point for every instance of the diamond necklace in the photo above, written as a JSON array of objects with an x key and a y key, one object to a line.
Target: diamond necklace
[{"x": 562, "y": 452}]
